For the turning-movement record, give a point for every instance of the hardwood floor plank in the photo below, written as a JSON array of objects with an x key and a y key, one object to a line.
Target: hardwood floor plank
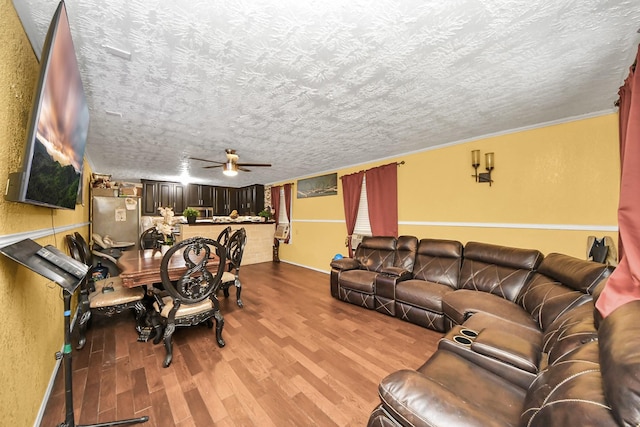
[
  {"x": 212, "y": 401},
  {"x": 122, "y": 378},
  {"x": 294, "y": 356},
  {"x": 140, "y": 390},
  {"x": 198, "y": 408},
  {"x": 107, "y": 397},
  {"x": 237, "y": 415},
  {"x": 161, "y": 415},
  {"x": 247, "y": 399},
  {"x": 317, "y": 403},
  {"x": 314, "y": 414},
  {"x": 314, "y": 368},
  {"x": 175, "y": 395},
  {"x": 124, "y": 405}
]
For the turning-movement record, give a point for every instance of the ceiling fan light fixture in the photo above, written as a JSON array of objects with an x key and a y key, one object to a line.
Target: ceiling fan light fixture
[{"x": 230, "y": 169}]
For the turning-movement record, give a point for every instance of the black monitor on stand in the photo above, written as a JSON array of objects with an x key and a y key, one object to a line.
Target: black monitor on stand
[{"x": 68, "y": 274}]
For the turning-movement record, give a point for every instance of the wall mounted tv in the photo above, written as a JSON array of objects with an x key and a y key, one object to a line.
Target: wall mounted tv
[{"x": 58, "y": 125}]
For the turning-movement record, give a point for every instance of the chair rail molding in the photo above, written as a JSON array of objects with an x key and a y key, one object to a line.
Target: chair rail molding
[
  {"x": 571, "y": 227},
  {"x": 9, "y": 239}
]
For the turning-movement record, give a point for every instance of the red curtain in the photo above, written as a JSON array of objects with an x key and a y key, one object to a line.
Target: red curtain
[
  {"x": 624, "y": 284},
  {"x": 382, "y": 195},
  {"x": 287, "y": 204},
  {"x": 275, "y": 201},
  {"x": 351, "y": 188}
]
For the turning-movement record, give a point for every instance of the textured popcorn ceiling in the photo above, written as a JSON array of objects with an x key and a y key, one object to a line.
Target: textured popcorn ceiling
[{"x": 311, "y": 86}]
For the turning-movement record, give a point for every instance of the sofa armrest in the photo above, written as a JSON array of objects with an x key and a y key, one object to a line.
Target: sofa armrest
[
  {"x": 396, "y": 272},
  {"x": 491, "y": 347},
  {"x": 344, "y": 264},
  {"x": 387, "y": 280},
  {"x": 419, "y": 401},
  {"x": 508, "y": 348}
]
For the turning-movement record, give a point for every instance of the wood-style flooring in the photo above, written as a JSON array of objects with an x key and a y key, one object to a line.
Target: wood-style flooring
[{"x": 294, "y": 356}]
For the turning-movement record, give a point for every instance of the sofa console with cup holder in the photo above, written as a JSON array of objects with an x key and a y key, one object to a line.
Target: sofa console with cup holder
[{"x": 521, "y": 344}]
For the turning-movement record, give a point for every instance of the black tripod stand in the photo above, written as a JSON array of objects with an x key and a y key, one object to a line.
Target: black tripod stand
[
  {"x": 59, "y": 268},
  {"x": 66, "y": 356}
]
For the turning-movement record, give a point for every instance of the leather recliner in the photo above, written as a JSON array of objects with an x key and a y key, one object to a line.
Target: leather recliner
[{"x": 354, "y": 279}]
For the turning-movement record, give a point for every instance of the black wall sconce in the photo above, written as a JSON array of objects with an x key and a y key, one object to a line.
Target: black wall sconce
[{"x": 488, "y": 161}]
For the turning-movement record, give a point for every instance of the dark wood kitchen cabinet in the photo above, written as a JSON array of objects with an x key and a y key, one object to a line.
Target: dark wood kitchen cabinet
[
  {"x": 225, "y": 200},
  {"x": 157, "y": 194},
  {"x": 246, "y": 200},
  {"x": 250, "y": 199},
  {"x": 200, "y": 195}
]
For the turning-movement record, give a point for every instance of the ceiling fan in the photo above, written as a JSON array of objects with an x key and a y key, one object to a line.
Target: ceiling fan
[{"x": 231, "y": 166}]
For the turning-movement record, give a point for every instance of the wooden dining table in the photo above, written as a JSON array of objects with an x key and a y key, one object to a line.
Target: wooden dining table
[{"x": 138, "y": 268}]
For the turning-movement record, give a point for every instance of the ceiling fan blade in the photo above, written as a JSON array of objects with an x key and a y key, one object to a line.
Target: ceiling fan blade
[
  {"x": 255, "y": 164},
  {"x": 213, "y": 166},
  {"x": 243, "y": 169},
  {"x": 205, "y": 160}
]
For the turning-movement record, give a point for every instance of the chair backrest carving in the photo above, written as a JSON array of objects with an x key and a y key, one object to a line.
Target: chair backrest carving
[
  {"x": 235, "y": 247},
  {"x": 223, "y": 237},
  {"x": 198, "y": 282}
]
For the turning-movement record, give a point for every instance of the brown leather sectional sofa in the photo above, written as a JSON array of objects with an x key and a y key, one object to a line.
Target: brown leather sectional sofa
[{"x": 521, "y": 346}]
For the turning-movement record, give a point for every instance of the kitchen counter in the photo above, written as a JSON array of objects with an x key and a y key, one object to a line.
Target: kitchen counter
[
  {"x": 259, "y": 246},
  {"x": 225, "y": 223}
]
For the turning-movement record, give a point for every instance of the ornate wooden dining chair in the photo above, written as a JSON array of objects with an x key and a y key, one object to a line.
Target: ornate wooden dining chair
[
  {"x": 191, "y": 299},
  {"x": 151, "y": 238},
  {"x": 235, "y": 250},
  {"x": 106, "y": 296}
]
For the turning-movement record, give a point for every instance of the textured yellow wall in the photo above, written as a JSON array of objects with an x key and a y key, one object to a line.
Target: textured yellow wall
[
  {"x": 31, "y": 306},
  {"x": 554, "y": 186}
]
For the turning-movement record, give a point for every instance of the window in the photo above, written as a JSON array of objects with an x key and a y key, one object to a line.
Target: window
[
  {"x": 282, "y": 209},
  {"x": 363, "y": 226},
  {"x": 284, "y": 228}
]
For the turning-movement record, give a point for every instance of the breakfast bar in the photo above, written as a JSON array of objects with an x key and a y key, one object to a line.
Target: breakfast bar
[{"x": 259, "y": 246}]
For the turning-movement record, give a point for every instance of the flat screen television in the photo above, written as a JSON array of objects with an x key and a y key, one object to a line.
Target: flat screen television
[{"x": 58, "y": 125}]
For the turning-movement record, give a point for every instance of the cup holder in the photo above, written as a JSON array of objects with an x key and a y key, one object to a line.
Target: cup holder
[
  {"x": 468, "y": 333},
  {"x": 460, "y": 339}
]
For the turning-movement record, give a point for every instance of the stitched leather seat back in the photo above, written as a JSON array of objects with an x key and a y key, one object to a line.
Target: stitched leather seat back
[
  {"x": 569, "y": 331},
  {"x": 569, "y": 393},
  {"x": 376, "y": 252},
  {"x": 439, "y": 261},
  {"x": 406, "y": 248},
  {"x": 578, "y": 274},
  {"x": 619, "y": 338},
  {"x": 499, "y": 270},
  {"x": 561, "y": 284}
]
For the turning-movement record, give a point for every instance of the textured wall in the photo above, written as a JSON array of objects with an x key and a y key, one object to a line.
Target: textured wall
[
  {"x": 565, "y": 175},
  {"x": 31, "y": 306}
]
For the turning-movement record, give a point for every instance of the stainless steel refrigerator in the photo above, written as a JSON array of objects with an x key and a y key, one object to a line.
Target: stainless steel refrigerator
[{"x": 118, "y": 217}]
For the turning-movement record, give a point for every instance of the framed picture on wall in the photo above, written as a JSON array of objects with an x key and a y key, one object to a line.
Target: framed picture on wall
[{"x": 325, "y": 185}]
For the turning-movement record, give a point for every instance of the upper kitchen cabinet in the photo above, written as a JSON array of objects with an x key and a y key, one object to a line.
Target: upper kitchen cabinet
[
  {"x": 157, "y": 194},
  {"x": 200, "y": 195},
  {"x": 225, "y": 198},
  {"x": 246, "y": 200},
  {"x": 250, "y": 200}
]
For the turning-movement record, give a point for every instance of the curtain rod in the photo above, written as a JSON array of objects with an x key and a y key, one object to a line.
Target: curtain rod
[{"x": 400, "y": 163}]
